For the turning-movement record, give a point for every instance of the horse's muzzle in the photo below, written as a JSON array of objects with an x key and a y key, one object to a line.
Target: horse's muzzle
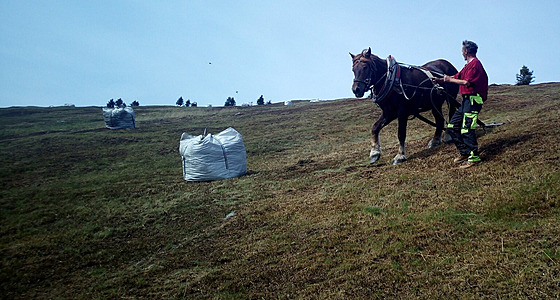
[{"x": 359, "y": 89}]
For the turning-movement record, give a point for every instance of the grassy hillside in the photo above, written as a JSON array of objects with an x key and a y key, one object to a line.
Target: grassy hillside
[{"x": 87, "y": 212}]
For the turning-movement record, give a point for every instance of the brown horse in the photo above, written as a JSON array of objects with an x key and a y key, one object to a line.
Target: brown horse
[{"x": 402, "y": 91}]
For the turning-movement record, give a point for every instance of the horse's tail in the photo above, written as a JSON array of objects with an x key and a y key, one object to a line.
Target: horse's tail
[
  {"x": 443, "y": 67},
  {"x": 439, "y": 68}
]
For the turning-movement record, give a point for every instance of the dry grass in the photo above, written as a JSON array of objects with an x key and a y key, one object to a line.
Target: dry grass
[{"x": 92, "y": 213}]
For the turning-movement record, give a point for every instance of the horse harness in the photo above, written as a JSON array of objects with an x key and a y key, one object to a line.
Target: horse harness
[
  {"x": 394, "y": 83},
  {"x": 392, "y": 77}
]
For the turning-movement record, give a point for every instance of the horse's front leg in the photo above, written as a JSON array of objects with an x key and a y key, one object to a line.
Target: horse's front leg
[
  {"x": 375, "y": 152},
  {"x": 401, "y": 155}
]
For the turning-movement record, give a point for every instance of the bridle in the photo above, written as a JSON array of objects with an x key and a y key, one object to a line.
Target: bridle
[
  {"x": 366, "y": 82},
  {"x": 372, "y": 70},
  {"x": 371, "y": 66}
]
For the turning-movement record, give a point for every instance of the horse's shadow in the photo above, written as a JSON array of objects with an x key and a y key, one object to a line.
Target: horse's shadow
[
  {"x": 497, "y": 147},
  {"x": 487, "y": 150},
  {"x": 425, "y": 153}
]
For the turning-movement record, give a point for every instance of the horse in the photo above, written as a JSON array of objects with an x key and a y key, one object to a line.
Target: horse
[{"x": 402, "y": 91}]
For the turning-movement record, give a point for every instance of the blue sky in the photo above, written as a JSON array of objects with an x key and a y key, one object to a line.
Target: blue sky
[{"x": 87, "y": 52}]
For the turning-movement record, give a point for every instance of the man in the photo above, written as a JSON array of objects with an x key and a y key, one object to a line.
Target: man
[{"x": 473, "y": 86}]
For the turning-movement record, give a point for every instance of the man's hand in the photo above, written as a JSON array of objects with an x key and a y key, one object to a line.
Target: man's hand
[{"x": 437, "y": 80}]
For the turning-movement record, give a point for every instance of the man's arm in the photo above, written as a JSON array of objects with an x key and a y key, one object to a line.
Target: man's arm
[{"x": 447, "y": 78}]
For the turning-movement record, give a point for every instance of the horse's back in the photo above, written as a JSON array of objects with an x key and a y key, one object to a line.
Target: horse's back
[{"x": 441, "y": 66}]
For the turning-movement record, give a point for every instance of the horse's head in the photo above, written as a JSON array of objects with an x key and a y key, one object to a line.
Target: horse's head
[{"x": 364, "y": 69}]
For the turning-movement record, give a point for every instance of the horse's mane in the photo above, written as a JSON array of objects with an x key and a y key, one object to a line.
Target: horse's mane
[{"x": 372, "y": 57}]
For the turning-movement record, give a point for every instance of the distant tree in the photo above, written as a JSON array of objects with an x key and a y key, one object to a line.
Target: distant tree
[
  {"x": 230, "y": 102},
  {"x": 194, "y": 104},
  {"x": 260, "y": 101},
  {"x": 525, "y": 77},
  {"x": 268, "y": 102},
  {"x": 111, "y": 103},
  {"x": 179, "y": 101},
  {"x": 188, "y": 103},
  {"x": 135, "y": 103},
  {"x": 120, "y": 103}
]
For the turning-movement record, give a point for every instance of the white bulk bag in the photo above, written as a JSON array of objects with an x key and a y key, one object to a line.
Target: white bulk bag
[
  {"x": 213, "y": 157},
  {"x": 119, "y": 118}
]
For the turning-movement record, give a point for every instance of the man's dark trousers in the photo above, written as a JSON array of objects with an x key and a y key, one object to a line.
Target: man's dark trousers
[{"x": 461, "y": 127}]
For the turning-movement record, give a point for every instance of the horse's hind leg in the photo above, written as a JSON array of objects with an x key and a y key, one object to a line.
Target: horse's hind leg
[
  {"x": 436, "y": 140},
  {"x": 453, "y": 106}
]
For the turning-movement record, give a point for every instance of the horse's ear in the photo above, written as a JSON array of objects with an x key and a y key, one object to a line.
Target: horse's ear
[
  {"x": 352, "y": 55},
  {"x": 368, "y": 52}
]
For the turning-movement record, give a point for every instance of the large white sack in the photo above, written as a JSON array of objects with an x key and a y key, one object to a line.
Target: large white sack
[
  {"x": 213, "y": 157},
  {"x": 119, "y": 118}
]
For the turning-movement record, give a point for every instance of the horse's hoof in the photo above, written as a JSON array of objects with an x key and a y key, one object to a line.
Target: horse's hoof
[
  {"x": 374, "y": 155},
  {"x": 434, "y": 143},
  {"x": 373, "y": 159},
  {"x": 399, "y": 158},
  {"x": 396, "y": 162}
]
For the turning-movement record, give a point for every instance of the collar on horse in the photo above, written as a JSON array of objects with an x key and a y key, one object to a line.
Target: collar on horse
[{"x": 391, "y": 78}]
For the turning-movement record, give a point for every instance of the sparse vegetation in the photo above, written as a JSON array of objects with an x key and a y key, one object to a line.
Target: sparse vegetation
[{"x": 313, "y": 220}]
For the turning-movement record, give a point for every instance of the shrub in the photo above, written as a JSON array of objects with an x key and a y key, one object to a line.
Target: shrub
[
  {"x": 111, "y": 103},
  {"x": 525, "y": 76},
  {"x": 230, "y": 102},
  {"x": 120, "y": 103}
]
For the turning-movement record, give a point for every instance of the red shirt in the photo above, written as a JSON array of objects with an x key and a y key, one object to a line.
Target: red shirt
[{"x": 474, "y": 73}]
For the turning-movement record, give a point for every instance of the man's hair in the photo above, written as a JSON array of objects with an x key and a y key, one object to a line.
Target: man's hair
[{"x": 470, "y": 46}]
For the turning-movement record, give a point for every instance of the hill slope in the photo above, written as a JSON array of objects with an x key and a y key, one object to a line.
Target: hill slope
[{"x": 93, "y": 213}]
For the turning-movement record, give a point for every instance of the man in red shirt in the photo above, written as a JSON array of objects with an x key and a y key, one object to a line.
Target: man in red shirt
[{"x": 473, "y": 86}]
